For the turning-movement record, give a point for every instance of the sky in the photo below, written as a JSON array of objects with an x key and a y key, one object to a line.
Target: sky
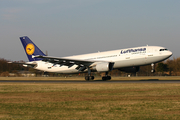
[{"x": 72, "y": 27}]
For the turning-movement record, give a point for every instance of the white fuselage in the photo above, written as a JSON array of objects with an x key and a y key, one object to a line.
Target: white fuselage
[{"x": 122, "y": 58}]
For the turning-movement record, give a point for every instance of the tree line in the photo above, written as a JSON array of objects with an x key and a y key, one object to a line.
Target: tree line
[
  {"x": 170, "y": 67},
  {"x": 6, "y": 68}
]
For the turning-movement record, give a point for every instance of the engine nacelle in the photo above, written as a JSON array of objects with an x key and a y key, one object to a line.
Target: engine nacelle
[
  {"x": 130, "y": 69},
  {"x": 104, "y": 67}
]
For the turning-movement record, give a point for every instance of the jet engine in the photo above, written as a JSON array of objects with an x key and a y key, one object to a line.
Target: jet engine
[
  {"x": 104, "y": 67},
  {"x": 130, "y": 69}
]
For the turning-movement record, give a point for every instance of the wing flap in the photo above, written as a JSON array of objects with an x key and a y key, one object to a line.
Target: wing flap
[{"x": 66, "y": 61}]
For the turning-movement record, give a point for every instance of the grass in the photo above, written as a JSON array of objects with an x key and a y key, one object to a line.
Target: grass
[{"x": 72, "y": 101}]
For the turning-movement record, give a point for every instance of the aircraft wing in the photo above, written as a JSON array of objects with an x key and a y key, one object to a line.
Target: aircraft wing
[{"x": 82, "y": 64}]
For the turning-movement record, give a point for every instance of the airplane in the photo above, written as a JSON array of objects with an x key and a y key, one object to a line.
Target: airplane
[{"x": 127, "y": 60}]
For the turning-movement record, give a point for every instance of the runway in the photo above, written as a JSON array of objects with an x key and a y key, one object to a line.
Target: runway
[{"x": 95, "y": 81}]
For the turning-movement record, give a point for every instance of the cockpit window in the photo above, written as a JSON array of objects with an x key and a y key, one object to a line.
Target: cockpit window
[{"x": 163, "y": 50}]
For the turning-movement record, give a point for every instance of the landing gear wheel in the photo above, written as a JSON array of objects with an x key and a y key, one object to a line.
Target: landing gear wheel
[
  {"x": 87, "y": 78},
  {"x": 92, "y": 77},
  {"x": 152, "y": 71},
  {"x": 109, "y": 77}
]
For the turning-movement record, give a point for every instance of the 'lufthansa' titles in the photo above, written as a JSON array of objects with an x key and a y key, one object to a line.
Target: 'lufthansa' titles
[{"x": 138, "y": 50}]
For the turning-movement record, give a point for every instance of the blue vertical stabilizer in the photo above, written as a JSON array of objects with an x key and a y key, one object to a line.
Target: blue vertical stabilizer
[{"x": 31, "y": 49}]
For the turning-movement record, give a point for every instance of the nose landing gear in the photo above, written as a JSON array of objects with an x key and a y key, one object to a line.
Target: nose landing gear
[{"x": 152, "y": 70}]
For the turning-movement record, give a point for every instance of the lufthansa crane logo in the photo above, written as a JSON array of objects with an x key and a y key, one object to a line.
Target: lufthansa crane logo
[{"x": 30, "y": 49}]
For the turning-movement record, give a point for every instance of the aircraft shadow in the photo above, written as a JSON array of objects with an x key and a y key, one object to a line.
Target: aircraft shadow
[{"x": 150, "y": 80}]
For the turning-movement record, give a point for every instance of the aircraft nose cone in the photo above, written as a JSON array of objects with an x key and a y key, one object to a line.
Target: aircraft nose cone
[{"x": 170, "y": 53}]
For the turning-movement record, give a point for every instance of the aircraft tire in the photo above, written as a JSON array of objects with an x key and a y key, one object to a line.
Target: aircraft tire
[
  {"x": 108, "y": 77},
  {"x": 87, "y": 78},
  {"x": 92, "y": 77}
]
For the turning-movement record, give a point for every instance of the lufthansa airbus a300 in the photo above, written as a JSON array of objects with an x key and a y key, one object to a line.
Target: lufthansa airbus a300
[{"x": 128, "y": 60}]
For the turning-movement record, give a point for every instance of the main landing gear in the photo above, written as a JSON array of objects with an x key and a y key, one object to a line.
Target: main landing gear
[
  {"x": 89, "y": 77},
  {"x": 106, "y": 77}
]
